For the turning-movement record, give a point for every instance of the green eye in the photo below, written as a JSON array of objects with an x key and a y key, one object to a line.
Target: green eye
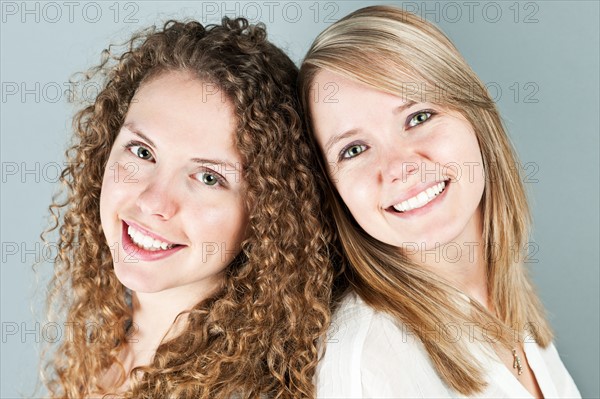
[
  {"x": 419, "y": 118},
  {"x": 140, "y": 152},
  {"x": 143, "y": 153},
  {"x": 353, "y": 151},
  {"x": 209, "y": 179}
]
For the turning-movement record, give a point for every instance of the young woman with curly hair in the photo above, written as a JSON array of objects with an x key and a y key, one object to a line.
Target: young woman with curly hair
[
  {"x": 193, "y": 257},
  {"x": 432, "y": 215}
]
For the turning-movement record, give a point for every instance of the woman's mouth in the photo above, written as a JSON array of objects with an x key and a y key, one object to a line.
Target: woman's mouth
[
  {"x": 420, "y": 200},
  {"x": 139, "y": 245},
  {"x": 146, "y": 242}
]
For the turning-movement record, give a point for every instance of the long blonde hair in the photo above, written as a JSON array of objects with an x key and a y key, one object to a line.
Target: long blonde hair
[
  {"x": 399, "y": 53},
  {"x": 258, "y": 334}
]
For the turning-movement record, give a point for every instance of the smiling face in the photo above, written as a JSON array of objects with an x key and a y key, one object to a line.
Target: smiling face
[
  {"x": 172, "y": 201},
  {"x": 410, "y": 173}
]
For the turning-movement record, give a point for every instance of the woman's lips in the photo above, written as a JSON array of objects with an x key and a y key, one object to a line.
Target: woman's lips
[
  {"x": 146, "y": 232},
  {"x": 135, "y": 252},
  {"x": 424, "y": 209}
]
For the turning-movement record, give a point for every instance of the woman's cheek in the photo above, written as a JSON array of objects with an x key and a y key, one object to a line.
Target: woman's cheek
[{"x": 355, "y": 187}]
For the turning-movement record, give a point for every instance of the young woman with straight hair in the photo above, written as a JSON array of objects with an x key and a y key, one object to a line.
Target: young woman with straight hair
[{"x": 433, "y": 218}]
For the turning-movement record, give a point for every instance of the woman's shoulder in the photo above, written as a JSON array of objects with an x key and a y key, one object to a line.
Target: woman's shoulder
[
  {"x": 354, "y": 322},
  {"x": 352, "y": 313},
  {"x": 371, "y": 354}
]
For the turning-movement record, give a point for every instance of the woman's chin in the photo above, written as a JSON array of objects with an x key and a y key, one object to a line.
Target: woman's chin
[{"x": 136, "y": 281}]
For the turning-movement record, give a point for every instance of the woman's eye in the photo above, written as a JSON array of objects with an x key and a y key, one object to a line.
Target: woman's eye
[
  {"x": 141, "y": 152},
  {"x": 210, "y": 179},
  {"x": 419, "y": 118},
  {"x": 353, "y": 151}
]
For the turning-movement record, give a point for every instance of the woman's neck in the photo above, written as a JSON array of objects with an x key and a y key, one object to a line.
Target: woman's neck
[
  {"x": 461, "y": 262},
  {"x": 155, "y": 320}
]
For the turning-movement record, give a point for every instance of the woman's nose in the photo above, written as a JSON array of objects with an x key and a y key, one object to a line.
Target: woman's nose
[
  {"x": 398, "y": 164},
  {"x": 157, "y": 199}
]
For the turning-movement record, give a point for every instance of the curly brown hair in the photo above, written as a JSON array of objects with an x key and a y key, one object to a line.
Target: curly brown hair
[{"x": 258, "y": 335}]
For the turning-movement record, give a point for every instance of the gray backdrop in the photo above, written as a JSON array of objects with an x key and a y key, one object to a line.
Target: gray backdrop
[{"x": 539, "y": 59}]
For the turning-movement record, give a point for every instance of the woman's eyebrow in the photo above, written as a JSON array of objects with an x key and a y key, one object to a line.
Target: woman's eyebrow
[
  {"x": 135, "y": 130},
  {"x": 229, "y": 166},
  {"x": 339, "y": 137},
  {"x": 404, "y": 107}
]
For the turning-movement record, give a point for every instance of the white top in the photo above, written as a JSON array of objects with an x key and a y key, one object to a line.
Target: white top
[{"x": 370, "y": 355}]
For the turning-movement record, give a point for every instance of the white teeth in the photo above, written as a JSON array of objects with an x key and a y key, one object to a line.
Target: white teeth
[
  {"x": 421, "y": 199},
  {"x": 146, "y": 242}
]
